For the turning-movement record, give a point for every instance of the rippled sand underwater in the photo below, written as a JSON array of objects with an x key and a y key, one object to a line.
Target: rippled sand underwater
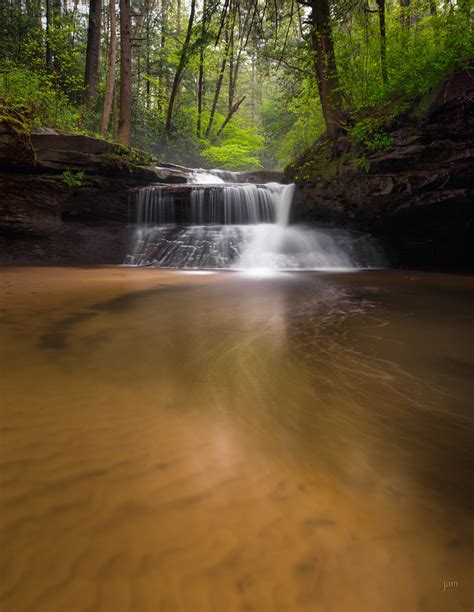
[{"x": 220, "y": 442}]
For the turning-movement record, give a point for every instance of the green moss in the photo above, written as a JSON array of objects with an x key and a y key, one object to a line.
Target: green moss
[
  {"x": 19, "y": 120},
  {"x": 16, "y": 117},
  {"x": 324, "y": 161},
  {"x": 127, "y": 158},
  {"x": 124, "y": 156},
  {"x": 15, "y": 124}
]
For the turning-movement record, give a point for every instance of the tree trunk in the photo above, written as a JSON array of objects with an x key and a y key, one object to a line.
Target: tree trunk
[
  {"x": 183, "y": 60},
  {"x": 48, "y": 27},
  {"x": 125, "y": 116},
  {"x": 253, "y": 108},
  {"x": 38, "y": 14},
  {"x": 148, "y": 64},
  {"x": 115, "y": 116},
  {"x": 55, "y": 10},
  {"x": 404, "y": 13},
  {"x": 325, "y": 65},
  {"x": 206, "y": 18},
  {"x": 200, "y": 91},
  {"x": 383, "y": 40},
  {"x": 110, "y": 83},
  {"x": 164, "y": 24},
  {"x": 218, "y": 86},
  {"x": 230, "y": 114},
  {"x": 91, "y": 76},
  {"x": 230, "y": 101}
]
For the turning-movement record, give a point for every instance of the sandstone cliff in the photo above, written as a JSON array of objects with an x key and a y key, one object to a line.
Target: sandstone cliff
[{"x": 417, "y": 195}]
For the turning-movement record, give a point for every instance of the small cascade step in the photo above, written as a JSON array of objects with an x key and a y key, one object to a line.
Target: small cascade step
[{"x": 220, "y": 204}]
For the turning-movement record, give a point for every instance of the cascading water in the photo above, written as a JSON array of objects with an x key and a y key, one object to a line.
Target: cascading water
[
  {"x": 217, "y": 222},
  {"x": 212, "y": 177}
]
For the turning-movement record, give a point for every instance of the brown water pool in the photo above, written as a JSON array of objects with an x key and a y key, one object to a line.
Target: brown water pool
[{"x": 223, "y": 442}]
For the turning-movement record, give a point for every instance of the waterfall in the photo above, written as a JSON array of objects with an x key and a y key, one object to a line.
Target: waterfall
[
  {"x": 223, "y": 204},
  {"x": 221, "y": 223},
  {"x": 201, "y": 176},
  {"x": 155, "y": 206}
]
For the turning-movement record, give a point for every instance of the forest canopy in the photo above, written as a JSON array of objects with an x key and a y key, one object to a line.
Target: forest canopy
[{"x": 236, "y": 84}]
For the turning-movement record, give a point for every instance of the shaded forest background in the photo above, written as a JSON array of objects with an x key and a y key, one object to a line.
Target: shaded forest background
[{"x": 236, "y": 84}]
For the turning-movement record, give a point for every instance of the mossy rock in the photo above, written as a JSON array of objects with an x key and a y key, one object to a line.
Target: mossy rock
[{"x": 18, "y": 118}]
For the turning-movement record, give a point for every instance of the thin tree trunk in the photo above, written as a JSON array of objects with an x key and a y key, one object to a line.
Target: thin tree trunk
[
  {"x": 38, "y": 14},
  {"x": 383, "y": 40},
  {"x": 164, "y": 24},
  {"x": 230, "y": 114},
  {"x": 183, "y": 60},
  {"x": 200, "y": 91},
  {"x": 138, "y": 73},
  {"x": 74, "y": 21},
  {"x": 110, "y": 82},
  {"x": 233, "y": 77},
  {"x": 254, "y": 87},
  {"x": 230, "y": 101},
  {"x": 147, "y": 9},
  {"x": 404, "y": 13},
  {"x": 206, "y": 18},
  {"x": 218, "y": 86},
  {"x": 91, "y": 76},
  {"x": 325, "y": 66},
  {"x": 56, "y": 10},
  {"x": 148, "y": 64},
  {"x": 115, "y": 116},
  {"x": 125, "y": 116},
  {"x": 55, "y": 20},
  {"x": 48, "y": 28}
]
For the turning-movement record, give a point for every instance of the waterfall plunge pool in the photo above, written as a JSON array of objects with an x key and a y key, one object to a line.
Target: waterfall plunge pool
[
  {"x": 175, "y": 441},
  {"x": 196, "y": 440}
]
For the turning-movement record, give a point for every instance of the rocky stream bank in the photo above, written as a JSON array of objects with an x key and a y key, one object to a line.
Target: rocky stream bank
[{"x": 417, "y": 194}]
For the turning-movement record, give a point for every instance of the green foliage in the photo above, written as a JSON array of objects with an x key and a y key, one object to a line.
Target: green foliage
[
  {"x": 292, "y": 121},
  {"x": 42, "y": 71},
  {"x": 73, "y": 180},
  {"x": 231, "y": 155},
  {"x": 370, "y": 135},
  {"x": 237, "y": 150},
  {"x": 418, "y": 56},
  {"x": 36, "y": 91},
  {"x": 363, "y": 162}
]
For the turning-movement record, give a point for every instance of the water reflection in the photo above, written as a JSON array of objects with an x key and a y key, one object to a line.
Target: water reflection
[{"x": 172, "y": 442}]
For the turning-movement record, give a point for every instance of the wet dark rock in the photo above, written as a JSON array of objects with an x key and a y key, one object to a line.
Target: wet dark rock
[
  {"x": 171, "y": 175},
  {"x": 15, "y": 149},
  {"x": 43, "y": 221},
  {"x": 417, "y": 196},
  {"x": 263, "y": 176},
  {"x": 46, "y": 150},
  {"x": 46, "y": 220}
]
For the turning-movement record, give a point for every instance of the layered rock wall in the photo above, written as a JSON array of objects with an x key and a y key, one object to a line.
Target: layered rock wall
[{"x": 417, "y": 196}]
